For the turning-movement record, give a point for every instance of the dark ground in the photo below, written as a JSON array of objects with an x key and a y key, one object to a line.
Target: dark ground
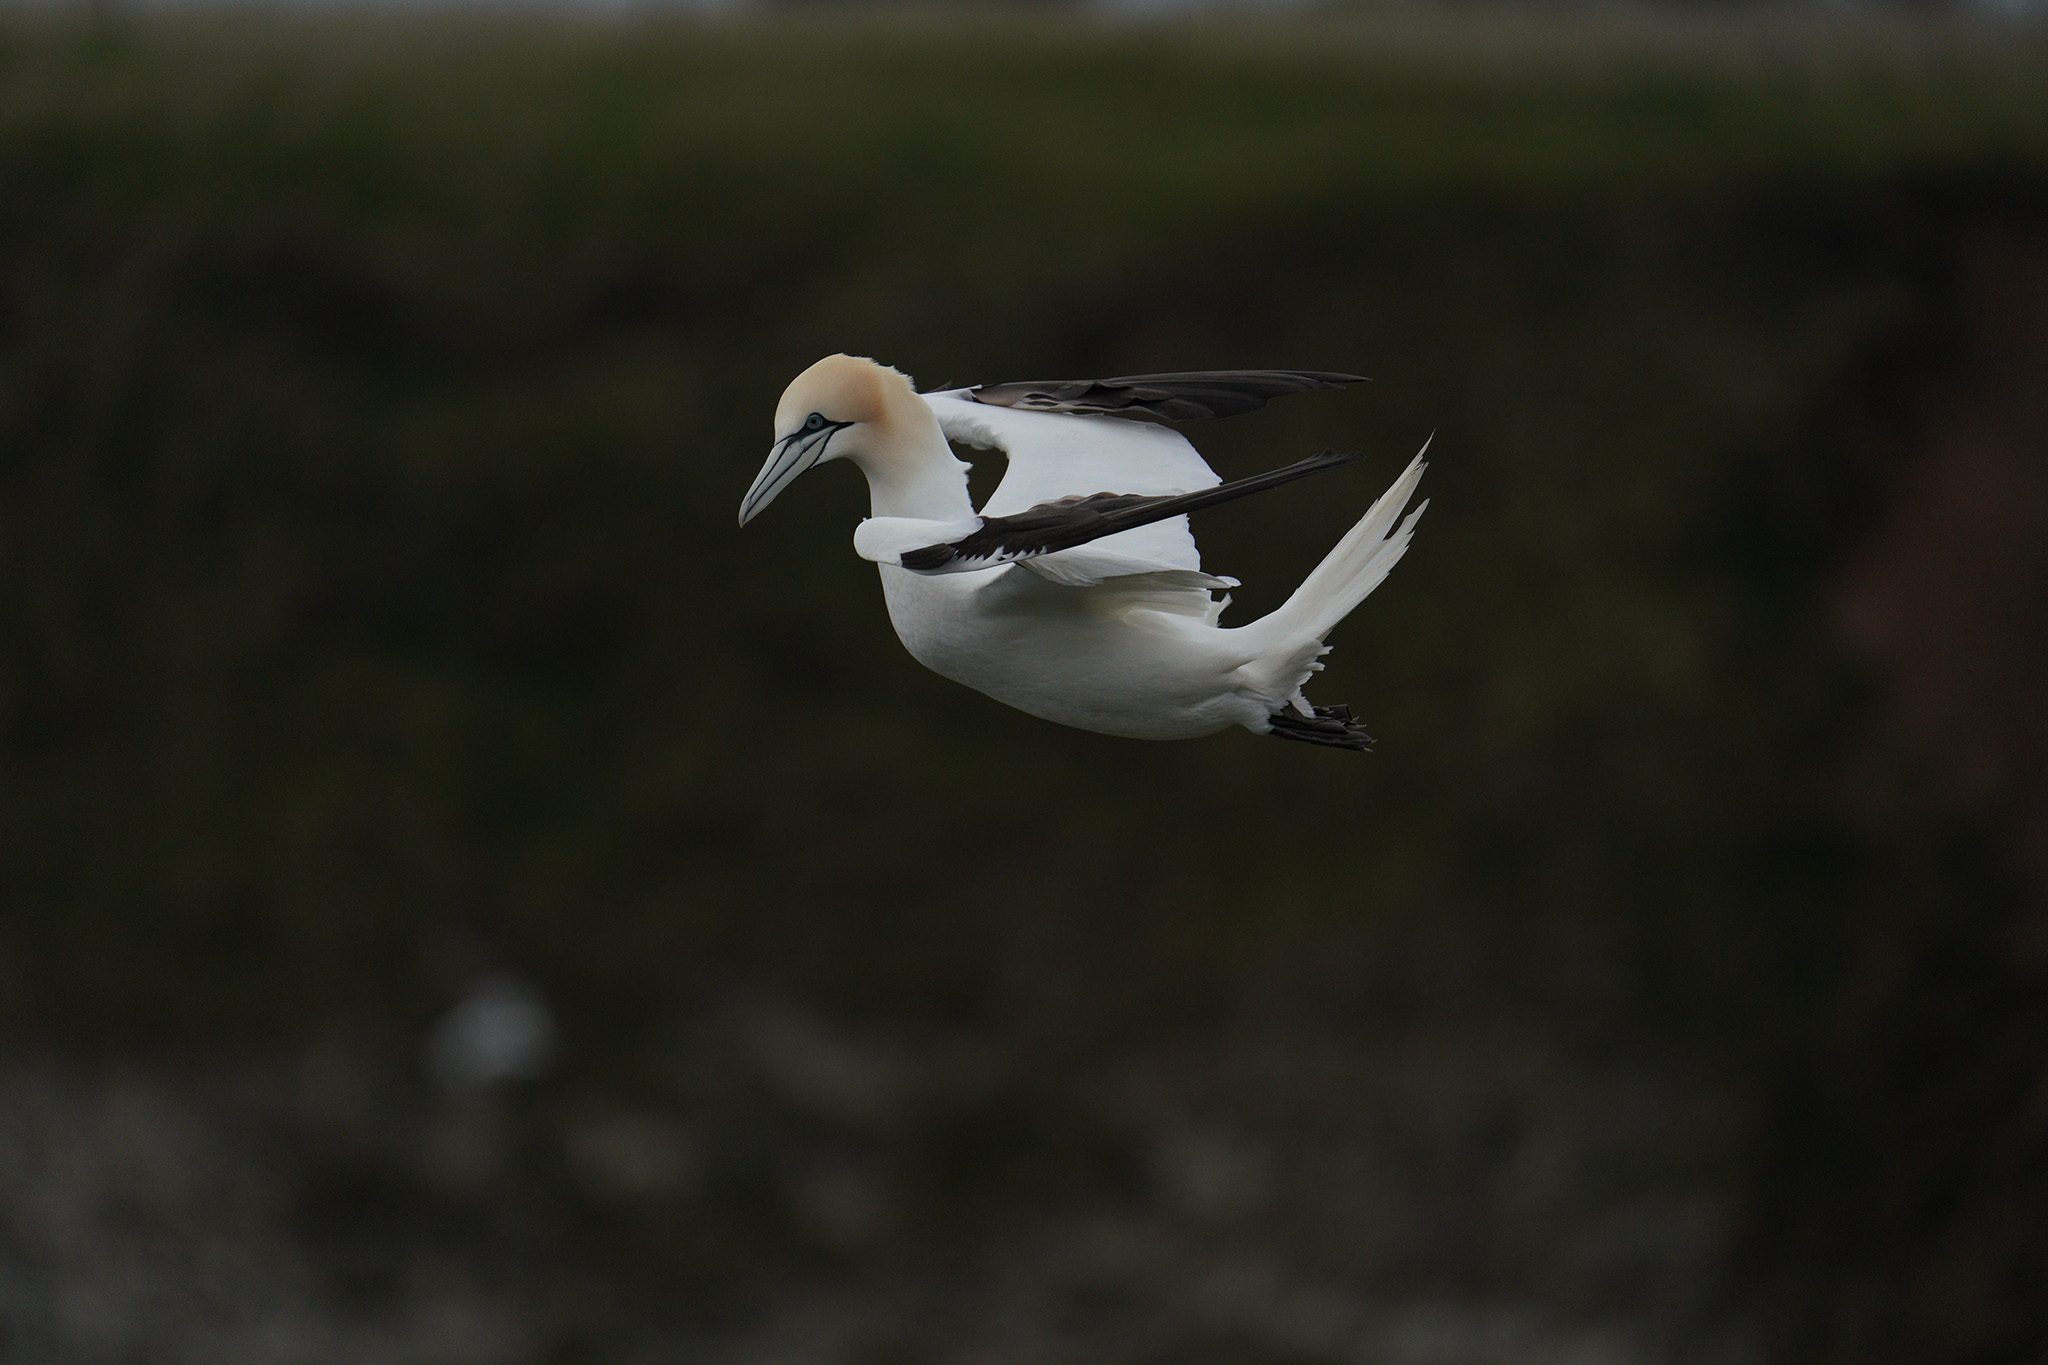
[{"x": 374, "y": 401}]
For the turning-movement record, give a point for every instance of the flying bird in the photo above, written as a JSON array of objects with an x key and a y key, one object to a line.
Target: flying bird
[{"x": 1076, "y": 593}]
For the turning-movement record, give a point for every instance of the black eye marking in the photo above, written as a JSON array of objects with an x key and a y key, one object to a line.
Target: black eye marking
[{"x": 814, "y": 421}]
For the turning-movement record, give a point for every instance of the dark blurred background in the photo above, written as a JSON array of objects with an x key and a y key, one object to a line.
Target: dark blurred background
[{"x": 461, "y": 901}]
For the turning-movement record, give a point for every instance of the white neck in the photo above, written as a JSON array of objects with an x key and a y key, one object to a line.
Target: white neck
[{"x": 913, "y": 473}]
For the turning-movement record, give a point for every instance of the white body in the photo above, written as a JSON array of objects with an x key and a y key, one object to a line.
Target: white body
[
  {"x": 1091, "y": 658},
  {"x": 1121, "y": 635}
]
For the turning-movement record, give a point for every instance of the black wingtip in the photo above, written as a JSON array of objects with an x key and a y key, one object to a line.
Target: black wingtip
[
  {"x": 1181, "y": 396},
  {"x": 926, "y": 558}
]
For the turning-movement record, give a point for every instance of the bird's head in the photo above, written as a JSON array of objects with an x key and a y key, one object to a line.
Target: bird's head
[{"x": 839, "y": 408}]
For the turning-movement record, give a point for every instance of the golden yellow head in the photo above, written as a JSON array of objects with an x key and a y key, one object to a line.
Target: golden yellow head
[
  {"x": 839, "y": 388},
  {"x": 843, "y": 406}
]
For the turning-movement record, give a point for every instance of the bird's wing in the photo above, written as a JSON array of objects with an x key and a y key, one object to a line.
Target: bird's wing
[
  {"x": 1054, "y": 455},
  {"x": 1074, "y": 438},
  {"x": 1091, "y": 566},
  {"x": 1171, "y": 397},
  {"x": 1102, "y": 522},
  {"x": 1126, "y": 581}
]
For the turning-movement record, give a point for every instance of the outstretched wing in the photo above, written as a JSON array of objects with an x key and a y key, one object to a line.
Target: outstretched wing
[
  {"x": 1056, "y": 455},
  {"x": 1074, "y": 440},
  {"x": 927, "y": 546},
  {"x": 1046, "y": 529},
  {"x": 1170, "y": 397}
]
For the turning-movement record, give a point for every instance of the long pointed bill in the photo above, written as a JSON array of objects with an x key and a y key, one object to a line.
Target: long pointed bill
[{"x": 791, "y": 456}]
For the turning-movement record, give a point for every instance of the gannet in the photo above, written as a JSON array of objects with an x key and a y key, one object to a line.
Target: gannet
[{"x": 1076, "y": 593}]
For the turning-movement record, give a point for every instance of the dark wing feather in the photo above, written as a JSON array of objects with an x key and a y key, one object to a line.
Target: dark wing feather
[
  {"x": 1067, "y": 522},
  {"x": 1170, "y": 397}
]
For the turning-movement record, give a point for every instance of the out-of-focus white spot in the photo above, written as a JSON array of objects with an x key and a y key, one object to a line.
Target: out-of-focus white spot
[{"x": 501, "y": 1031}]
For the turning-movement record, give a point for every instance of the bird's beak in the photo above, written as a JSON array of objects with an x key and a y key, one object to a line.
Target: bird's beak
[{"x": 791, "y": 456}]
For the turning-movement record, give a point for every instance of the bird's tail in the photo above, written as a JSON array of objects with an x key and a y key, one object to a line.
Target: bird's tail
[{"x": 1287, "y": 643}]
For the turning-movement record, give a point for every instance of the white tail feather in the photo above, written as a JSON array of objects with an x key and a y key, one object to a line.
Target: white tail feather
[{"x": 1288, "y": 642}]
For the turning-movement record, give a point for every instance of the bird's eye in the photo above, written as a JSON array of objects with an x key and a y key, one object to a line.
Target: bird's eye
[{"x": 814, "y": 421}]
